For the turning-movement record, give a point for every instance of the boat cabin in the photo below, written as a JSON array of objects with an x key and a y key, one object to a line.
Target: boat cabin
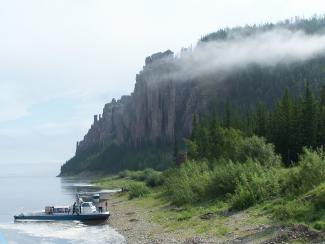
[
  {"x": 52, "y": 209},
  {"x": 88, "y": 207}
]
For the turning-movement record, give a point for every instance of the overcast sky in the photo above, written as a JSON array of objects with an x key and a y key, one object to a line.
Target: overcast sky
[{"x": 62, "y": 60}]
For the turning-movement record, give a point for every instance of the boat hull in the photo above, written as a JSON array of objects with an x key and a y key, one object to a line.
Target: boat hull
[{"x": 67, "y": 217}]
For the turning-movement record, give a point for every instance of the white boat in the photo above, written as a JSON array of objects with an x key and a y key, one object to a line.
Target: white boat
[{"x": 80, "y": 211}]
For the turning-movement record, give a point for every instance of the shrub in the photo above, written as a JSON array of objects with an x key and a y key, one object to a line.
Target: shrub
[
  {"x": 138, "y": 189},
  {"x": 188, "y": 183},
  {"x": 316, "y": 197},
  {"x": 319, "y": 198},
  {"x": 320, "y": 225},
  {"x": 309, "y": 173},
  {"x": 256, "y": 148},
  {"x": 154, "y": 179},
  {"x": 292, "y": 210},
  {"x": 124, "y": 174},
  {"x": 137, "y": 175},
  {"x": 255, "y": 184},
  {"x": 224, "y": 178}
]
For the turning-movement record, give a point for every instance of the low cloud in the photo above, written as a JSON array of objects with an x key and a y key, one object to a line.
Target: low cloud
[{"x": 279, "y": 46}]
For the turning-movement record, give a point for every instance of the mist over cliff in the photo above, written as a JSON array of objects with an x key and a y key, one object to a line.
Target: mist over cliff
[
  {"x": 270, "y": 48},
  {"x": 244, "y": 66}
]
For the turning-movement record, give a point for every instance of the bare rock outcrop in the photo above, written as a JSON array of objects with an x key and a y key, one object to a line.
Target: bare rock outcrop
[{"x": 159, "y": 109}]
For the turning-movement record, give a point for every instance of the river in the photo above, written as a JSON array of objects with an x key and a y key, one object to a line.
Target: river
[{"x": 29, "y": 187}]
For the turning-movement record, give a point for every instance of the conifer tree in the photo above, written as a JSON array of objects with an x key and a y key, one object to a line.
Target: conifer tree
[
  {"x": 261, "y": 120},
  {"x": 309, "y": 119},
  {"x": 321, "y": 119}
]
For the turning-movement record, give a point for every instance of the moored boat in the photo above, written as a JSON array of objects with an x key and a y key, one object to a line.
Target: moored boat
[{"x": 79, "y": 211}]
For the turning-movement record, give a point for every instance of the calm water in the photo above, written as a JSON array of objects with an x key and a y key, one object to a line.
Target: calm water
[{"x": 30, "y": 187}]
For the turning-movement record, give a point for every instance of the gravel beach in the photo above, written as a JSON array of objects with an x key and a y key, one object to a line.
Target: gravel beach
[{"x": 133, "y": 222}]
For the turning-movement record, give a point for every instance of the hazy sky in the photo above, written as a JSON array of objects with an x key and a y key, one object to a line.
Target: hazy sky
[{"x": 62, "y": 60}]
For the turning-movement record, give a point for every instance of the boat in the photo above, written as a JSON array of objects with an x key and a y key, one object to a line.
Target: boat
[
  {"x": 90, "y": 197},
  {"x": 79, "y": 211}
]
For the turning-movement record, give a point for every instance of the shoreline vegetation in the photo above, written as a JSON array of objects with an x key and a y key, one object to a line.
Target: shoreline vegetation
[
  {"x": 233, "y": 186},
  {"x": 150, "y": 218}
]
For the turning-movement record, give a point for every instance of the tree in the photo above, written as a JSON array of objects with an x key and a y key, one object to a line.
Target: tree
[
  {"x": 309, "y": 119},
  {"x": 228, "y": 115},
  {"x": 321, "y": 119},
  {"x": 261, "y": 120}
]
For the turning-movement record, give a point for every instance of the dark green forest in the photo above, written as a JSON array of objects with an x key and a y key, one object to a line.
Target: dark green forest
[{"x": 290, "y": 125}]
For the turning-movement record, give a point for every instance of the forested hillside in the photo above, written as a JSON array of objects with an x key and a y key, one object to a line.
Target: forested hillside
[
  {"x": 290, "y": 125},
  {"x": 242, "y": 76}
]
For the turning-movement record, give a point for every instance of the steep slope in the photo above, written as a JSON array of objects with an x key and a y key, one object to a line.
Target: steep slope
[{"x": 139, "y": 130}]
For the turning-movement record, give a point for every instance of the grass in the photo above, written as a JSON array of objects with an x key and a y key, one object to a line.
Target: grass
[
  {"x": 113, "y": 182},
  {"x": 186, "y": 218},
  {"x": 267, "y": 188}
]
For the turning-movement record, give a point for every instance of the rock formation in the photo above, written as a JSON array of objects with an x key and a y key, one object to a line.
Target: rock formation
[{"x": 156, "y": 110}]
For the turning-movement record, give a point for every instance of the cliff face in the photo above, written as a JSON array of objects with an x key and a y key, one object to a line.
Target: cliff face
[
  {"x": 158, "y": 107},
  {"x": 138, "y": 131}
]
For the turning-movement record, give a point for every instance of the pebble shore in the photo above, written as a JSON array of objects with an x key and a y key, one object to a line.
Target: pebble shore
[{"x": 134, "y": 224}]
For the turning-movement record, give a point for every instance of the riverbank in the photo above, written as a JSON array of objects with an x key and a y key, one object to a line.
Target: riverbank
[
  {"x": 151, "y": 219},
  {"x": 135, "y": 223}
]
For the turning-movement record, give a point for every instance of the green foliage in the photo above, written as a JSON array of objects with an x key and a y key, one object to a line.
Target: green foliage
[
  {"x": 319, "y": 196},
  {"x": 229, "y": 143},
  {"x": 187, "y": 184},
  {"x": 151, "y": 177},
  {"x": 257, "y": 148},
  {"x": 137, "y": 190},
  {"x": 320, "y": 225},
  {"x": 293, "y": 210},
  {"x": 309, "y": 173},
  {"x": 255, "y": 184},
  {"x": 124, "y": 173},
  {"x": 245, "y": 184},
  {"x": 115, "y": 158},
  {"x": 293, "y": 123},
  {"x": 308, "y": 208},
  {"x": 224, "y": 178}
]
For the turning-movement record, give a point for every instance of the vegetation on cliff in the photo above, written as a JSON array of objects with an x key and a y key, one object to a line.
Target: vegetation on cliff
[{"x": 139, "y": 131}]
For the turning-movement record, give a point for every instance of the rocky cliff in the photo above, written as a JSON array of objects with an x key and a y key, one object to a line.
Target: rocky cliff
[
  {"x": 158, "y": 112},
  {"x": 139, "y": 130},
  {"x": 157, "y": 109}
]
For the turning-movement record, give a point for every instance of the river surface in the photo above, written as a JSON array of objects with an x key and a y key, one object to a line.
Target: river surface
[{"x": 29, "y": 187}]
